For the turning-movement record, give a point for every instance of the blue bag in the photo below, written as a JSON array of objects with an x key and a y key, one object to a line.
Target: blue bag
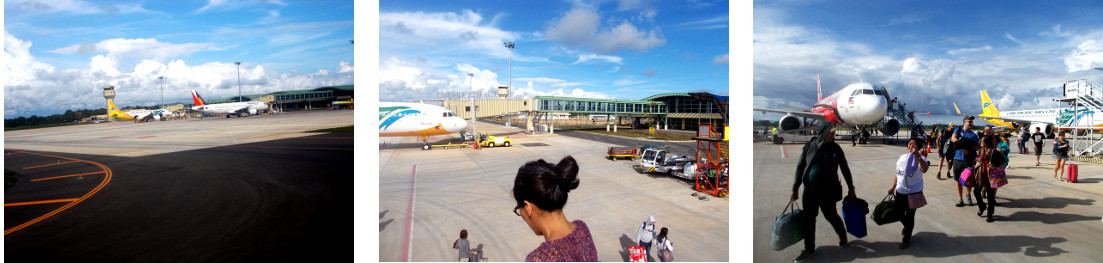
[{"x": 854, "y": 215}]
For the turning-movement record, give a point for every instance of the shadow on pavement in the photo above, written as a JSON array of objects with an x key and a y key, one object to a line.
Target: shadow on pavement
[
  {"x": 1050, "y": 219},
  {"x": 933, "y": 245},
  {"x": 383, "y": 224},
  {"x": 625, "y": 241},
  {"x": 1048, "y": 202}
]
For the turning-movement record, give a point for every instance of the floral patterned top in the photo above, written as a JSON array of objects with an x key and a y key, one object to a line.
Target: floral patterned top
[{"x": 577, "y": 246}]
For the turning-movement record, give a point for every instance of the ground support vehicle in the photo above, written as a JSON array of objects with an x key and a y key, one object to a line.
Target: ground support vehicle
[
  {"x": 486, "y": 140},
  {"x": 622, "y": 153},
  {"x": 661, "y": 161}
]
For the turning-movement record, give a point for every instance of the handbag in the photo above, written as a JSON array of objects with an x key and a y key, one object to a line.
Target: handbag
[
  {"x": 854, "y": 215},
  {"x": 965, "y": 177},
  {"x": 997, "y": 177},
  {"x": 886, "y": 211},
  {"x": 787, "y": 227},
  {"x": 915, "y": 200},
  {"x": 666, "y": 255}
]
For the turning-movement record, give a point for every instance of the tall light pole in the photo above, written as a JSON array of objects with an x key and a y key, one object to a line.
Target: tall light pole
[
  {"x": 238, "y": 80},
  {"x": 162, "y": 78},
  {"x": 509, "y": 45},
  {"x": 471, "y": 82}
]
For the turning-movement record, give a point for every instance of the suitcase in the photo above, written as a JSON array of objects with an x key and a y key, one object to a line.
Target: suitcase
[
  {"x": 854, "y": 215},
  {"x": 1073, "y": 172}
]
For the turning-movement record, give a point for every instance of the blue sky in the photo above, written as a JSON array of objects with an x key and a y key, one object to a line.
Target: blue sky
[
  {"x": 627, "y": 49},
  {"x": 927, "y": 53},
  {"x": 62, "y": 52}
]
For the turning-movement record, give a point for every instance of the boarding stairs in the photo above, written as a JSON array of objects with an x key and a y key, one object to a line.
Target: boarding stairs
[
  {"x": 907, "y": 120},
  {"x": 1086, "y": 143}
]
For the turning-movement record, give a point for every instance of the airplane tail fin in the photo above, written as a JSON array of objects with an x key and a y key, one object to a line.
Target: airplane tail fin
[
  {"x": 819, "y": 94},
  {"x": 197, "y": 99},
  {"x": 956, "y": 109},
  {"x": 987, "y": 105}
]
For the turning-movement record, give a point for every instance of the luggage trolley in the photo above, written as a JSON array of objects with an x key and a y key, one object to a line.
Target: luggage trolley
[{"x": 712, "y": 166}]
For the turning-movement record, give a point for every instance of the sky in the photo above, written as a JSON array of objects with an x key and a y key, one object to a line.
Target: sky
[
  {"x": 627, "y": 49},
  {"x": 59, "y": 54},
  {"x": 927, "y": 53}
]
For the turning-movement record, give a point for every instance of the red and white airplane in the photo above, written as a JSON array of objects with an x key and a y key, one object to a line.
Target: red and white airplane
[{"x": 856, "y": 104}]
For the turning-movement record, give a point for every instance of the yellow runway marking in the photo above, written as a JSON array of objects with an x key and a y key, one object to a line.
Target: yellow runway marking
[
  {"x": 41, "y": 202},
  {"x": 63, "y": 176},
  {"x": 106, "y": 179},
  {"x": 44, "y": 165}
]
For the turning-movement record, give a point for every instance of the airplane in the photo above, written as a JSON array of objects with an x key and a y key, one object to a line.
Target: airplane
[
  {"x": 1047, "y": 120},
  {"x": 401, "y": 119},
  {"x": 856, "y": 104},
  {"x": 114, "y": 111},
  {"x": 229, "y": 108}
]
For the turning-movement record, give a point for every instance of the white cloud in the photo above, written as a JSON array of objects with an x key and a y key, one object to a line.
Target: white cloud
[
  {"x": 345, "y": 67},
  {"x": 540, "y": 80},
  {"x": 33, "y": 7},
  {"x": 463, "y": 32},
  {"x": 960, "y": 51},
  {"x": 628, "y": 82},
  {"x": 1086, "y": 56},
  {"x": 580, "y": 27},
  {"x": 119, "y": 50},
  {"x": 589, "y": 57},
  {"x": 224, "y": 5},
  {"x": 720, "y": 60},
  {"x": 710, "y": 23},
  {"x": 34, "y": 86},
  {"x": 1013, "y": 39}
]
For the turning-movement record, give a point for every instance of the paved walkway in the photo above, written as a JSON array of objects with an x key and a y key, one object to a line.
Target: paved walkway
[{"x": 1039, "y": 219}]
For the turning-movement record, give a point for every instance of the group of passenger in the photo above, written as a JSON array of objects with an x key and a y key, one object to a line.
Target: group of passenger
[{"x": 960, "y": 149}]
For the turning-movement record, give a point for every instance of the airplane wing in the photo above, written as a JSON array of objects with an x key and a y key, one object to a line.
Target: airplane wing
[
  {"x": 237, "y": 110},
  {"x": 1002, "y": 119},
  {"x": 810, "y": 115}
]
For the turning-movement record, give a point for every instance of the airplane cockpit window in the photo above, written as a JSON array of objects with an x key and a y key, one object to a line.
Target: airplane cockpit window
[
  {"x": 878, "y": 92},
  {"x": 867, "y": 91},
  {"x": 856, "y": 92}
]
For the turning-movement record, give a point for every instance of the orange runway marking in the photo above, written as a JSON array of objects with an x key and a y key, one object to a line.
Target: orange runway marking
[
  {"x": 41, "y": 202},
  {"x": 63, "y": 176},
  {"x": 326, "y": 137},
  {"x": 108, "y": 137},
  {"x": 44, "y": 165},
  {"x": 294, "y": 148},
  {"x": 143, "y": 137},
  {"x": 106, "y": 179}
]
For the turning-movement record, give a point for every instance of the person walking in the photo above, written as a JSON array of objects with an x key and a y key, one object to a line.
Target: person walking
[
  {"x": 540, "y": 190},
  {"x": 991, "y": 161},
  {"x": 965, "y": 141},
  {"x": 665, "y": 247},
  {"x": 1039, "y": 141},
  {"x": 464, "y": 247},
  {"x": 1004, "y": 149},
  {"x": 1060, "y": 155},
  {"x": 1024, "y": 136},
  {"x": 943, "y": 150},
  {"x": 909, "y": 180},
  {"x": 646, "y": 234},
  {"x": 817, "y": 169}
]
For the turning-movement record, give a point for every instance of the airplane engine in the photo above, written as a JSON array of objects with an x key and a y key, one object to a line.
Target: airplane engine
[
  {"x": 789, "y": 122},
  {"x": 252, "y": 111},
  {"x": 888, "y": 126},
  {"x": 156, "y": 117},
  {"x": 1047, "y": 129}
]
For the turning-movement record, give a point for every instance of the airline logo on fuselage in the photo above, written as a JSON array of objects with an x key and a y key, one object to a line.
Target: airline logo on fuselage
[{"x": 390, "y": 115}]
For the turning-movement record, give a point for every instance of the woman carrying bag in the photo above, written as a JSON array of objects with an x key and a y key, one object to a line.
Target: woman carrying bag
[
  {"x": 908, "y": 187},
  {"x": 666, "y": 248},
  {"x": 990, "y": 166}
]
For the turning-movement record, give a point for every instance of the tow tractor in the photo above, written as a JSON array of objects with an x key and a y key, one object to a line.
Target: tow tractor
[{"x": 661, "y": 161}]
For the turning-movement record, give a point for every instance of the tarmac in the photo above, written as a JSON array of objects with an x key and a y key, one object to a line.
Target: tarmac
[
  {"x": 427, "y": 197},
  {"x": 1038, "y": 218},
  {"x": 252, "y": 189}
]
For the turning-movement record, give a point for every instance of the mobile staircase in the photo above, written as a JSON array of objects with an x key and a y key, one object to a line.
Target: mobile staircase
[
  {"x": 1086, "y": 98},
  {"x": 906, "y": 119}
]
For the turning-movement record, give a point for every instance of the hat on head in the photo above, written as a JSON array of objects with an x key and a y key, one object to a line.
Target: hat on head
[{"x": 970, "y": 117}]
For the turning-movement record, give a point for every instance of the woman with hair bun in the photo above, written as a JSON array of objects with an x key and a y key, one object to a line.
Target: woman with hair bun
[{"x": 541, "y": 192}]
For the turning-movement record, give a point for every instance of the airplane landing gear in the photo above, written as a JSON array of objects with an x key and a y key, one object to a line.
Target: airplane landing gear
[{"x": 425, "y": 143}]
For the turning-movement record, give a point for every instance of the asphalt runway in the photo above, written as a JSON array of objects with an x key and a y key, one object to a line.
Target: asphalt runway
[
  {"x": 286, "y": 199},
  {"x": 1039, "y": 219}
]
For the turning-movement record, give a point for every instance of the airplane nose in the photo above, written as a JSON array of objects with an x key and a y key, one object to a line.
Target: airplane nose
[{"x": 455, "y": 125}]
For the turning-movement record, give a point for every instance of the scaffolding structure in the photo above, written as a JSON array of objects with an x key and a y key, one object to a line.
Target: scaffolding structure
[
  {"x": 1086, "y": 99},
  {"x": 712, "y": 166}
]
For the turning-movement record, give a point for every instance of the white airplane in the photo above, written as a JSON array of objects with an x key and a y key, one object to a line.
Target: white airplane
[
  {"x": 398, "y": 119},
  {"x": 229, "y": 108},
  {"x": 1045, "y": 119},
  {"x": 856, "y": 104},
  {"x": 114, "y": 111}
]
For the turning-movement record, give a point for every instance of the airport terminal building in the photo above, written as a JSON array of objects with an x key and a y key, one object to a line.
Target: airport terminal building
[{"x": 340, "y": 97}]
